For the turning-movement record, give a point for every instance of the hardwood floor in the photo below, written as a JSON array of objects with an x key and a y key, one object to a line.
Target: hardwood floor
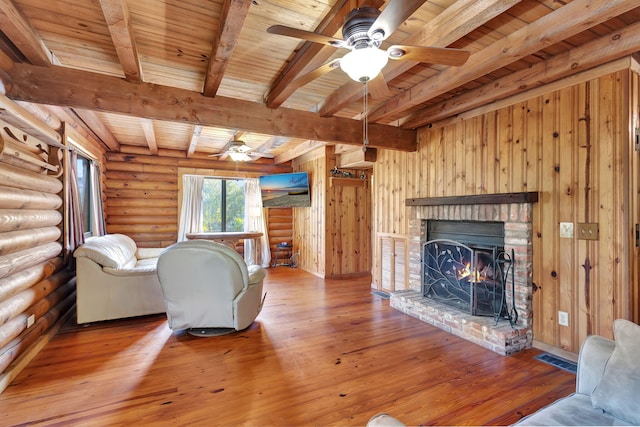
[{"x": 322, "y": 352}]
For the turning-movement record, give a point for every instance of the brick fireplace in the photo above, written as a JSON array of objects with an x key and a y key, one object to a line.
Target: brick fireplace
[{"x": 515, "y": 211}]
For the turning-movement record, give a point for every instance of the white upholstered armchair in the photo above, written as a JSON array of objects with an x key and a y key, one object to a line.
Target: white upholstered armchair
[{"x": 208, "y": 287}]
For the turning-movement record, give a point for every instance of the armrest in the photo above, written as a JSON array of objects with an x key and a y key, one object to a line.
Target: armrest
[
  {"x": 593, "y": 357},
  {"x": 133, "y": 271},
  {"x": 146, "y": 253},
  {"x": 256, "y": 274}
]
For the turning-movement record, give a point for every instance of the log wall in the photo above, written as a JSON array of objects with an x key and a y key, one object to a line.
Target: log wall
[
  {"x": 572, "y": 145},
  {"x": 142, "y": 195},
  {"x": 36, "y": 287}
]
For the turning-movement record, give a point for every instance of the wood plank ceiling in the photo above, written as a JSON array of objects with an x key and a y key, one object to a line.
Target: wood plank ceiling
[{"x": 188, "y": 75}]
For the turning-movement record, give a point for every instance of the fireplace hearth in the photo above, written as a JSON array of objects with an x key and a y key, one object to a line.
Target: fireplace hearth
[{"x": 503, "y": 322}]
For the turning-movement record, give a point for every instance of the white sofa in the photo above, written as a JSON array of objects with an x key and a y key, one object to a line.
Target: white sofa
[
  {"x": 607, "y": 384},
  {"x": 116, "y": 279}
]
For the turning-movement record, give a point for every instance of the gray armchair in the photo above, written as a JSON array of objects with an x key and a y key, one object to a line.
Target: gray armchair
[{"x": 208, "y": 288}]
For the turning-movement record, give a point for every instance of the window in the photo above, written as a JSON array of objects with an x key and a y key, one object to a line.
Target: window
[
  {"x": 222, "y": 205},
  {"x": 83, "y": 166}
]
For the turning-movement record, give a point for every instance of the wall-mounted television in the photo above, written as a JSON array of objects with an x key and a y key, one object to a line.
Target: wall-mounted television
[{"x": 285, "y": 190}]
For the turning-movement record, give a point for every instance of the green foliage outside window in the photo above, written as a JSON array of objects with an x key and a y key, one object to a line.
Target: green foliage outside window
[{"x": 223, "y": 205}]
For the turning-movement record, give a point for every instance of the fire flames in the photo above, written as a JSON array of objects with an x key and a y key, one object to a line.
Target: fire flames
[{"x": 466, "y": 272}]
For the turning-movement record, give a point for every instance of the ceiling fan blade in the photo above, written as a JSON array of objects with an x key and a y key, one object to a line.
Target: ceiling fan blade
[
  {"x": 305, "y": 35},
  {"x": 378, "y": 87},
  {"x": 431, "y": 55},
  {"x": 396, "y": 12},
  {"x": 264, "y": 155},
  {"x": 314, "y": 74}
]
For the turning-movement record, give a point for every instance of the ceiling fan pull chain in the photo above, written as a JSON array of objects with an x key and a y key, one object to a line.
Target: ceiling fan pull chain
[{"x": 365, "y": 120}]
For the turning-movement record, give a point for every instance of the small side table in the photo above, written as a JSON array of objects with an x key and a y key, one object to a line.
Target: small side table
[{"x": 283, "y": 253}]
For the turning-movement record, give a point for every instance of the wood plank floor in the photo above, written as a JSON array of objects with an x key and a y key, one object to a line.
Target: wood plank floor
[{"x": 322, "y": 352}]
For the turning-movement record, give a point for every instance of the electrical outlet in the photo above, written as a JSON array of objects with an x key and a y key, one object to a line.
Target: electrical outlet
[
  {"x": 563, "y": 318},
  {"x": 31, "y": 320},
  {"x": 566, "y": 230}
]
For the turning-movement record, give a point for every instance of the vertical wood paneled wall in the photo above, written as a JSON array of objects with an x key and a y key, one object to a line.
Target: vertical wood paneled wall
[
  {"x": 348, "y": 221},
  {"x": 574, "y": 146},
  {"x": 333, "y": 236},
  {"x": 309, "y": 224},
  {"x": 142, "y": 195}
]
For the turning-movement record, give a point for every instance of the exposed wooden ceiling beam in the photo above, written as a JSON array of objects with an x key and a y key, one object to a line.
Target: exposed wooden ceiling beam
[
  {"x": 96, "y": 126},
  {"x": 18, "y": 28},
  {"x": 570, "y": 19},
  {"x": 116, "y": 13},
  {"x": 150, "y": 135},
  {"x": 298, "y": 151},
  {"x": 609, "y": 47},
  {"x": 81, "y": 89},
  {"x": 195, "y": 137},
  {"x": 234, "y": 13},
  {"x": 450, "y": 25}
]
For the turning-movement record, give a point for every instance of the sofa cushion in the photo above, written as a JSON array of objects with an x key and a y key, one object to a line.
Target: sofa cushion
[
  {"x": 111, "y": 250},
  {"x": 573, "y": 410},
  {"x": 618, "y": 393}
]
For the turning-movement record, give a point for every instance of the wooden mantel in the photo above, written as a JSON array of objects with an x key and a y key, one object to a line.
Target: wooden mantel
[{"x": 476, "y": 199}]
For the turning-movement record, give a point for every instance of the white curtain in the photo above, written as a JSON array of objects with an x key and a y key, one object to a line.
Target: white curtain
[
  {"x": 73, "y": 221},
  {"x": 254, "y": 220},
  {"x": 191, "y": 211},
  {"x": 97, "y": 219}
]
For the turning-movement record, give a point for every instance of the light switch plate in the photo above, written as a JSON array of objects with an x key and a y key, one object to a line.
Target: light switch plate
[
  {"x": 566, "y": 230},
  {"x": 588, "y": 230},
  {"x": 563, "y": 318}
]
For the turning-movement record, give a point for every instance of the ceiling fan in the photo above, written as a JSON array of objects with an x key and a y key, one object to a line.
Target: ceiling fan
[
  {"x": 363, "y": 31},
  {"x": 240, "y": 152}
]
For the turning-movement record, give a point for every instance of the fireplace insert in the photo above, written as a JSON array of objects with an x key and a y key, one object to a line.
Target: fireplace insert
[{"x": 470, "y": 272}]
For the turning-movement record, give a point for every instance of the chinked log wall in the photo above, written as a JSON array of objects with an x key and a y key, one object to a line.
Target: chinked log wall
[
  {"x": 142, "y": 195},
  {"x": 36, "y": 288},
  {"x": 569, "y": 141}
]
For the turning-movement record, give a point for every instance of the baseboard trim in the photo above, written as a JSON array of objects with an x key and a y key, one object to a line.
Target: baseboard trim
[
  {"x": 363, "y": 274},
  {"x": 555, "y": 351}
]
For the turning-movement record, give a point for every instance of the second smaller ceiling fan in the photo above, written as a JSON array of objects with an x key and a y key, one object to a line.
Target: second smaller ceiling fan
[{"x": 238, "y": 151}]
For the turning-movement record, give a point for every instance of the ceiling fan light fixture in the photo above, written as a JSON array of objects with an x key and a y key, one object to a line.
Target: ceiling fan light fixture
[
  {"x": 364, "y": 64},
  {"x": 239, "y": 156}
]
